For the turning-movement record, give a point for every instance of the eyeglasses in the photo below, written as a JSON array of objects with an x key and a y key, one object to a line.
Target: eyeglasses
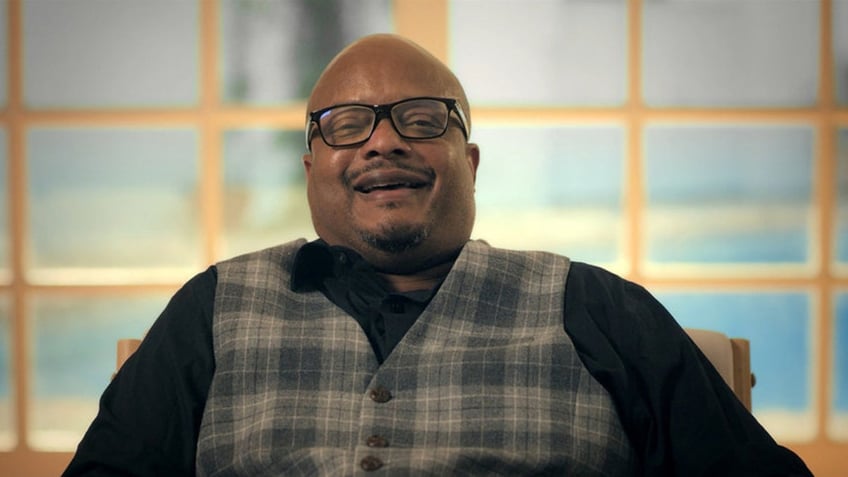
[{"x": 412, "y": 118}]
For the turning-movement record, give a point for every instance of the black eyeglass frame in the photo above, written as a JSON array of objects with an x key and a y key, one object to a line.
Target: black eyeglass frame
[{"x": 384, "y": 111}]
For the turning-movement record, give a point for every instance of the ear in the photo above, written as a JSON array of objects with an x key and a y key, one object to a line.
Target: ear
[
  {"x": 472, "y": 153},
  {"x": 307, "y": 164}
]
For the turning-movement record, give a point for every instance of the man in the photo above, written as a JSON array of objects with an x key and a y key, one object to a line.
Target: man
[{"x": 395, "y": 345}]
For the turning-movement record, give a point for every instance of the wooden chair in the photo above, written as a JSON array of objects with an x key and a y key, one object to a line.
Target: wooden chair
[
  {"x": 126, "y": 347},
  {"x": 730, "y": 356}
]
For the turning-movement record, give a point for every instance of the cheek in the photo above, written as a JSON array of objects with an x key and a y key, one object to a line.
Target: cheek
[
  {"x": 462, "y": 179},
  {"x": 326, "y": 174},
  {"x": 325, "y": 190}
]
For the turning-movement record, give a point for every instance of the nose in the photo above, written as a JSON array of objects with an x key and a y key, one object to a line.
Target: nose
[{"x": 385, "y": 141}]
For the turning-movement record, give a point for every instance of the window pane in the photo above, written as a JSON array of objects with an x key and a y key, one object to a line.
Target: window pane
[
  {"x": 545, "y": 52},
  {"x": 728, "y": 195},
  {"x": 272, "y": 52},
  {"x": 74, "y": 339},
  {"x": 779, "y": 326},
  {"x": 841, "y": 228},
  {"x": 8, "y": 436},
  {"x": 838, "y": 423},
  {"x": 5, "y": 231},
  {"x": 840, "y": 50},
  {"x": 4, "y": 53},
  {"x": 113, "y": 204},
  {"x": 264, "y": 189},
  {"x": 552, "y": 188},
  {"x": 726, "y": 53},
  {"x": 94, "y": 53}
]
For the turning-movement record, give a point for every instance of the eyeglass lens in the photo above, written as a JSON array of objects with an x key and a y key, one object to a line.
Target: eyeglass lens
[{"x": 414, "y": 119}]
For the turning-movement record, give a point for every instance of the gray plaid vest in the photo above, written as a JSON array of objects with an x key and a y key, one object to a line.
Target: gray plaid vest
[{"x": 486, "y": 382}]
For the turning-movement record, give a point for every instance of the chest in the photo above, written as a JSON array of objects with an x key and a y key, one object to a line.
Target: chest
[{"x": 450, "y": 395}]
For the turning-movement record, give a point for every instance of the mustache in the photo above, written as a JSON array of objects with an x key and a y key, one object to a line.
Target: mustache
[{"x": 351, "y": 176}]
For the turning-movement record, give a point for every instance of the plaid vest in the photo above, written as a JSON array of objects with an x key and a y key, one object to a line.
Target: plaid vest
[{"x": 486, "y": 382}]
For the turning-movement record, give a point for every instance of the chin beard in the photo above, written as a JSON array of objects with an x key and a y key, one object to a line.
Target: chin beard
[{"x": 396, "y": 239}]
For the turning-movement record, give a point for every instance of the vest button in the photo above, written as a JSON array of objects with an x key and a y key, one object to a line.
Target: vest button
[
  {"x": 380, "y": 394},
  {"x": 370, "y": 463},
  {"x": 376, "y": 441}
]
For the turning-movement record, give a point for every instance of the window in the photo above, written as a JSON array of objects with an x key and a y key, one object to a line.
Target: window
[{"x": 697, "y": 147}]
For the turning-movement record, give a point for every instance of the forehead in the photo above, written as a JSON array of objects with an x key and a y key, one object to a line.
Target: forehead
[{"x": 378, "y": 75}]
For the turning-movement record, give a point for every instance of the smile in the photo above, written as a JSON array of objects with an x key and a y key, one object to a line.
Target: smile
[
  {"x": 391, "y": 179},
  {"x": 390, "y": 186}
]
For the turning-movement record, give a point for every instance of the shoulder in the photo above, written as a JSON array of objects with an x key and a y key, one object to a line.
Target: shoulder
[
  {"x": 598, "y": 288},
  {"x": 278, "y": 253},
  {"x": 201, "y": 284},
  {"x": 601, "y": 285},
  {"x": 479, "y": 253},
  {"x": 622, "y": 311},
  {"x": 273, "y": 264}
]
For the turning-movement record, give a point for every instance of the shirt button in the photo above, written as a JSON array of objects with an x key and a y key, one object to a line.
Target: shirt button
[
  {"x": 376, "y": 441},
  {"x": 342, "y": 258},
  {"x": 370, "y": 463},
  {"x": 380, "y": 394}
]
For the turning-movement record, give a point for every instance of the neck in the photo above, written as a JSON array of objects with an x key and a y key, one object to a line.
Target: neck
[{"x": 421, "y": 280}]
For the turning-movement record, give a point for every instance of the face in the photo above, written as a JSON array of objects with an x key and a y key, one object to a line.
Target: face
[{"x": 403, "y": 204}]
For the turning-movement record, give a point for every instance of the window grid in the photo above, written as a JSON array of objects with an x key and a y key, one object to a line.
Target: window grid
[{"x": 424, "y": 21}]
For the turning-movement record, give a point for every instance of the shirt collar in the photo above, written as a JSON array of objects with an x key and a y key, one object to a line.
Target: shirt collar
[{"x": 317, "y": 261}]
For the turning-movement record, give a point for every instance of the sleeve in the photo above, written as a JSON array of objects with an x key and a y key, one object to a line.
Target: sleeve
[
  {"x": 681, "y": 417},
  {"x": 149, "y": 415}
]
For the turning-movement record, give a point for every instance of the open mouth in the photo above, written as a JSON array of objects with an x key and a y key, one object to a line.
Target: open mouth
[
  {"x": 384, "y": 179},
  {"x": 390, "y": 186}
]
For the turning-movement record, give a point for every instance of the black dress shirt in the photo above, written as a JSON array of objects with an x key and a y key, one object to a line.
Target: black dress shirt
[
  {"x": 354, "y": 286},
  {"x": 150, "y": 414}
]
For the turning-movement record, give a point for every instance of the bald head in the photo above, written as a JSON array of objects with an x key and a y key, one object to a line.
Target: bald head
[{"x": 360, "y": 73}]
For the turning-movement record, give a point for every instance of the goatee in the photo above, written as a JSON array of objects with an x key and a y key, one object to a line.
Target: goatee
[{"x": 396, "y": 239}]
